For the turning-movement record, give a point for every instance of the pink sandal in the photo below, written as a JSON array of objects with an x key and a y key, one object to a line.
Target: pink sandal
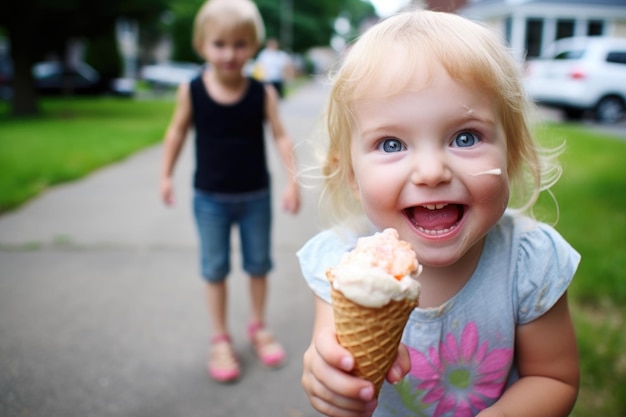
[
  {"x": 223, "y": 365},
  {"x": 269, "y": 351}
]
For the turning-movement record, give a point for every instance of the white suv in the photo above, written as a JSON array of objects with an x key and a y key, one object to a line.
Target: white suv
[{"x": 581, "y": 74}]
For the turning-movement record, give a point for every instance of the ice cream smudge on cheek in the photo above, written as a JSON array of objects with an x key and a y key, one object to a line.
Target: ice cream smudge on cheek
[
  {"x": 495, "y": 171},
  {"x": 381, "y": 268}
]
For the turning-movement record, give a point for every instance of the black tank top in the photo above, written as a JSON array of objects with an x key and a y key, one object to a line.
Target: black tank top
[{"x": 230, "y": 143}]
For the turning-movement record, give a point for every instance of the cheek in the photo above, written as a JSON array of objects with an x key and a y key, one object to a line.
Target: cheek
[
  {"x": 488, "y": 180},
  {"x": 375, "y": 191},
  {"x": 492, "y": 190},
  {"x": 209, "y": 53}
]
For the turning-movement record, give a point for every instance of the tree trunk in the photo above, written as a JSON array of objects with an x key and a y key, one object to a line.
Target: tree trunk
[{"x": 22, "y": 37}]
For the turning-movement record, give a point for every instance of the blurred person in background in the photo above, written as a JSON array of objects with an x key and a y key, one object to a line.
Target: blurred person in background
[
  {"x": 274, "y": 66},
  {"x": 228, "y": 111}
]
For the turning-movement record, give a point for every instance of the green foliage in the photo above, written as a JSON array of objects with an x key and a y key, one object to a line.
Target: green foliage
[
  {"x": 38, "y": 28},
  {"x": 312, "y": 23},
  {"x": 602, "y": 351},
  {"x": 591, "y": 200},
  {"x": 103, "y": 54},
  {"x": 181, "y": 29},
  {"x": 53, "y": 22}
]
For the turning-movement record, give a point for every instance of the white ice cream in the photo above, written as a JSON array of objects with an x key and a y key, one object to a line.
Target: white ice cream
[
  {"x": 381, "y": 268},
  {"x": 495, "y": 171}
]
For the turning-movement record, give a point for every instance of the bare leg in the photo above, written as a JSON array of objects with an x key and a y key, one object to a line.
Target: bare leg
[
  {"x": 270, "y": 352},
  {"x": 258, "y": 295},
  {"x": 216, "y": 294}
]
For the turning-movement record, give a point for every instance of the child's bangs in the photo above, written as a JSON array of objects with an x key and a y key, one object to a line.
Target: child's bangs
[
  {"x": 480, "y": 70},
  {"x": 382, "y": 71},
  {"x": 232, "y": 23}
]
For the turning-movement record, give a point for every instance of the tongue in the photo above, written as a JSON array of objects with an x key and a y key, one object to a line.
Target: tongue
[{"x": 436, "y": 219}]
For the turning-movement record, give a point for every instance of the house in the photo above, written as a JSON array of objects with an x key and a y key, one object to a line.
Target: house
[{"x": 529, "y": 26}]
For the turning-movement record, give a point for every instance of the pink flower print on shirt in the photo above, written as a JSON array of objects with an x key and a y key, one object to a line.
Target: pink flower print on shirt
[{"x": 461, "y": 377}]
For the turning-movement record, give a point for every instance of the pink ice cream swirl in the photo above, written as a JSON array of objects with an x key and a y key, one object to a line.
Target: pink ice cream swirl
[{"x": 381, "y": 268}]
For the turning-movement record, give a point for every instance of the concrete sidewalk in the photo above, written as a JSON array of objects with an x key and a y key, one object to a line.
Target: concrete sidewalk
[{"x": 102, "y": 311}]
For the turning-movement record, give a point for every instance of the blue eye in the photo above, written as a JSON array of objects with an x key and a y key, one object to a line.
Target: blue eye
[
  {"x": 465, "y": 140},
  {"x": 391, "y": 145}
]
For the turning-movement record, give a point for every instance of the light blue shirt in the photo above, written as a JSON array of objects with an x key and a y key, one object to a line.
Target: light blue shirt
[{"x": 462, "y": 353}]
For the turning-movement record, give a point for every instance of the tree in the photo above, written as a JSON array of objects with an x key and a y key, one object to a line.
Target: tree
[
  {"x": 37, "y": 27},
  {"x": 312, "y": 25},
  {"x": 181, "y": 28}
]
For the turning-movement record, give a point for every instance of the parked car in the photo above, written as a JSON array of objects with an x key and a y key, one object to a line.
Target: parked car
[
  {"x": 170, "y": 74},
  {"x": 52, "y": 78},
  {"x": 580, "y": 75}
]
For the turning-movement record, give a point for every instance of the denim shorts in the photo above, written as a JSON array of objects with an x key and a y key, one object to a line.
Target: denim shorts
[{"x": 216, "y": 214}]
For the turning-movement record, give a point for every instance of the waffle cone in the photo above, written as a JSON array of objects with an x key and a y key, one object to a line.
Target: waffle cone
[{"x": 372, "y": 335}]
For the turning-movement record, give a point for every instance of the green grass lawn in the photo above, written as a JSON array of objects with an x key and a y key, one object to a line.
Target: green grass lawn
[
  {"x": 591, "y": 198},
  {"x": 74, "y": 137},
  {"x": 79, "y": 135}
]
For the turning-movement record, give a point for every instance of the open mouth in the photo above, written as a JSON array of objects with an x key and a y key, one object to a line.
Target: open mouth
[{"x": 435, "y": 219}]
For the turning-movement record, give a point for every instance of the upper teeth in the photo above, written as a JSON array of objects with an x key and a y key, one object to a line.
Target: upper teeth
[{"x": 435, "y": 206}]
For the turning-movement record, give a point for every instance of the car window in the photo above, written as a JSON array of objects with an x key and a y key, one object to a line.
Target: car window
[
  {"x": 616, "y": 57},
  {"x": 572, "y": 54}
]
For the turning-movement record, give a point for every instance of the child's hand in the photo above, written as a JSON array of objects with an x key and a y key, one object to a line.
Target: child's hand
[
  {"x": 167, "y": 191},
  {"x": 491, "y": 412},
  {"x": 326, "y": 380},
  {"x": 401, "y": 366},
  {"x": 291, "y": 198}
]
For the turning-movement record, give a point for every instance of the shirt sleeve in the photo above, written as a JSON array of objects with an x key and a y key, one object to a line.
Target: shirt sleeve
[
  {"x": 545, "y": 267},
  {"x": 320, "y": 253}
]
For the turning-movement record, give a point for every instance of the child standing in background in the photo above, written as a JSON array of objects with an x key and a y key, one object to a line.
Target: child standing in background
[
  {"x": 231, "y": 179},
  {"x": 428, "y": 134}
]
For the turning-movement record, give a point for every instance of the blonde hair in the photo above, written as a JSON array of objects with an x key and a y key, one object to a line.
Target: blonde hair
[
  {"x": 471, "y": 54},
  {"x": 228, "y": 14}
]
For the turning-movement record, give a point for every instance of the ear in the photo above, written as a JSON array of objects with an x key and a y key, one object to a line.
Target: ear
[
  {"x": 347, "y": 166},
  {"x": 354, "y": 186}
]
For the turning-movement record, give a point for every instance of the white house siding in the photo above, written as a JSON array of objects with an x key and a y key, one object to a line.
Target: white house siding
[{"x": 495, "y": 13}]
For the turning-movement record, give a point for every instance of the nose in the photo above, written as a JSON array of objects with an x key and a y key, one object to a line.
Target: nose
[
  {"x": 430, "y": 168},
  {"x": 229, "y": 53}
]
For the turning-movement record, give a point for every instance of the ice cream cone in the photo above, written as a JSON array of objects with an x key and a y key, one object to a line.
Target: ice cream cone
[{"x": 372, "y": 335}]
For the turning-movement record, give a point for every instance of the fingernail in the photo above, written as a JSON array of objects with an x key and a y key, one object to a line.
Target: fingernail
[
  {"x": 366, "y": 393},
  {"x": 396, "y": 373},
  {"x": 346, "y": 363}
]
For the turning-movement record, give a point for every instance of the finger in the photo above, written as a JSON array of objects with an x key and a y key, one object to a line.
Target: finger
[
  {"x": 400, "y": 366},
  {"x": 335, "y": 362},
  {"x": 332, "y": 352},
  {"x": 330, "y": 409},
  {"x": 329, "y": 398},
  {"x": 169, "y": 197},
  {"x": 288, "y": 207}
]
